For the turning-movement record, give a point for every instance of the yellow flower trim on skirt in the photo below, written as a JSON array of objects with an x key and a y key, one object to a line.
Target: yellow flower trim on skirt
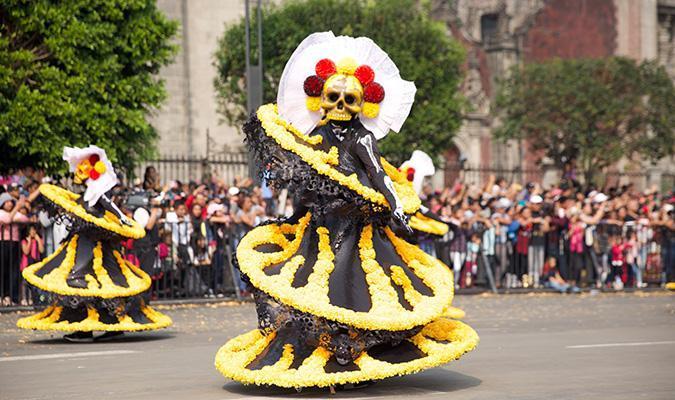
[
  {"x": 443, "y": 340},
  {"x": 99, "y": 285},
  {"x": 276, "y": 128},
  {"x": 386, "y": 312},
  {"x": 422, "y": 223},
  {"x": 48, "y": 320},
  {"x": 68, "y": 201},
  {"x": 454, "y": 313},
  {"x": 670, "y": 285}
]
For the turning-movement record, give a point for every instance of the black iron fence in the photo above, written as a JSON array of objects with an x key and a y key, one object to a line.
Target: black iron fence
[
  {"x": 182, "y": 168},
  {"x": 228, "y": 166},
  {"x": 548, "y": 175},
  {"x": 480, "y": 174}
]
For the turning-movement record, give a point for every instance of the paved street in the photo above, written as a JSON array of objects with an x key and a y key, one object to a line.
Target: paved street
[{"x": 544, "y": 346}]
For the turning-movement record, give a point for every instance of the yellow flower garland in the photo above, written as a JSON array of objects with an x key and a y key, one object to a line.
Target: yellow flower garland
[
  {"x": 313, "y": 140},
  {"x": 425, "y": 224},
  {"x": 67, "y": 200},
  {"x": 232, "y": 359},
  {"x": 321, "y": 162},
  {"x": 454, "y": 313}
]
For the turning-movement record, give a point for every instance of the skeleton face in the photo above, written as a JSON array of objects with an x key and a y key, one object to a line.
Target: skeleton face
[
  {"x": 342, "y": 97},
  {"x": 82, "y": 172}
]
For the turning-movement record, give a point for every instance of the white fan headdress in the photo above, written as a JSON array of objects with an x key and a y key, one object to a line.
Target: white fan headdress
[
  {"x": 422, "y": 166},
  {"x": 292, "y": 100},
  {"x": 100, "y": 182}
]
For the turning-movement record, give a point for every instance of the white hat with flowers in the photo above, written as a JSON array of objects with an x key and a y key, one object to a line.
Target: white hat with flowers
[
  {"x": 93, "y": 168},
  {"x": 387, "y": 98}
]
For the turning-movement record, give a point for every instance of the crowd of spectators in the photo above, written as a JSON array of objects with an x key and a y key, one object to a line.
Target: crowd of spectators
[{"x": 563, "y": 237}]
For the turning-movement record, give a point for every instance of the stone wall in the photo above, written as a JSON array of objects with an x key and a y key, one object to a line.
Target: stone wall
[{"x": 190, "y": 110}]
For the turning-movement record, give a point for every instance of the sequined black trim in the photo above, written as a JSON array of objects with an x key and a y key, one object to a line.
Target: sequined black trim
[{"x": 344, "y": 341}]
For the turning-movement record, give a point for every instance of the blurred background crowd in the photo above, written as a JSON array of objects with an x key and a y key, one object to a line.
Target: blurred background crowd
[{"x": 508, "y": 235}]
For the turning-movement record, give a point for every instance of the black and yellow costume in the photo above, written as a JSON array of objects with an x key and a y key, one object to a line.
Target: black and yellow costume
[
  {"x": 340, "y": 297},
  {"x": 92, "y": 287}
]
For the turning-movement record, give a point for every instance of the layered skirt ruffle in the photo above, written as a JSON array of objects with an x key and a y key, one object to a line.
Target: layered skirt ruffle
[
  {"x": 278, "y": 358},
  {"x": 91, "y": 286},
  {"x": 359, "y": 303},
  {"x": 100, "y": 263},
  {"x": 91, "y": 318}
]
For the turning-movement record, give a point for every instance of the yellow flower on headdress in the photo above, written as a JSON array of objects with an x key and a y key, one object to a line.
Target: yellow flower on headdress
[{"x": 347, "y": 66}]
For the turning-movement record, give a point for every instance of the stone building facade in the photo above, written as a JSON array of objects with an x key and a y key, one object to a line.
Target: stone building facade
[
  {"x": 188, "y": 123},
  {"x": 496, "y": 34}
]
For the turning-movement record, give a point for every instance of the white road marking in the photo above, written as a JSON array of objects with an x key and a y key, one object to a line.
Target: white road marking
[
  {"x": 590, "y": 346},
  {"x": 67, "y": 355}
]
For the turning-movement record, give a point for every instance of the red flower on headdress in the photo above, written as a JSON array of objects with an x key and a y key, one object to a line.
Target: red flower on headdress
[
  {"x": 373, "y": 93},
  {"x": 364, "y": 74},
  {"x": 93, "y": 174},
  {"x": 93, "y": 159},
  {"x": 411, "y": 174},
  {"x": 325, "y": 68},
  {"x": 313, "y": 86}
]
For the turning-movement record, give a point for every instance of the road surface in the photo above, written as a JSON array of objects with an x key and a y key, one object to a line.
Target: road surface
[{"x": 537, "y": 346}]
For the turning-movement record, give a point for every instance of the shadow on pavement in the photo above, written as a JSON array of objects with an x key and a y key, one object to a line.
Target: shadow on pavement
[
  {"x": 435, "y": 381},
  {"x": 127, "y": 338}
]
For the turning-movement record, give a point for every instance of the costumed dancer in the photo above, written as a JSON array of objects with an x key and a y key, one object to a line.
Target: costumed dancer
[
  {"x": 426, "y": 225},
  {"x": 341, "y": 299},
  {"x": 91, "y": 286}
]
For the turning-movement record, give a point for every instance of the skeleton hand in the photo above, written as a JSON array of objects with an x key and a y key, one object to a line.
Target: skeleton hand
[
  {"x": 126, "y": 221},
  {"x": 402, "y": 219}
]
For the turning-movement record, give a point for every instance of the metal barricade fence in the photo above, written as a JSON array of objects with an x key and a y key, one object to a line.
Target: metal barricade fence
[
  {"x": 596, "y": 260},
  {"x": 170, "y": 280},
  {"x": 13, "y": 289},
  {"x": 214, "y": 277},
  {"x": 218, "y": 278}
]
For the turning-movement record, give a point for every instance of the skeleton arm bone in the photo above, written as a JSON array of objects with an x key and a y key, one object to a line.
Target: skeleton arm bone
[
  {"x": 367, "y": 151},
  {"x": 112, "y": 207}
]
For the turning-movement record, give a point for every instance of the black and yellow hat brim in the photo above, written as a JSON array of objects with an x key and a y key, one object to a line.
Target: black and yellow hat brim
[
  {"x": 53, "y": 318},
  {"x": 67, "y": 201},
  {"x": 324, "y": 163},
  {"x": 109, "y": 276},
  {"x": 439, "y": 342},
  {"x": 403, "y": 286}
]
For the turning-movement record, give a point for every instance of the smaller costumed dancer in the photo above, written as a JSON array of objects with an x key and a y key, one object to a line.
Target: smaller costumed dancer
[
  {"x": 91, "y": 286},
  {"x": 426, "y": 225}
]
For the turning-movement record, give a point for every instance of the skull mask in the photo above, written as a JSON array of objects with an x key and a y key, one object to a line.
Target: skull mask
[{"x": 342, "y": 97}]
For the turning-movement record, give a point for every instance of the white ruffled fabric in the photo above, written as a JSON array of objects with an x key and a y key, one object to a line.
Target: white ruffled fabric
[
  {"x": 291, "y": 98},
  {"x": 95, "y": 188},
  {"x": 423, "y": 166}
]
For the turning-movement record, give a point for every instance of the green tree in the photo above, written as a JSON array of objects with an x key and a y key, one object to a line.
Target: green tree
[
  {"x": 594, "y": 111},
  {"x": 419, "y": 46},
  {"x": 79, "y": 72}
]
